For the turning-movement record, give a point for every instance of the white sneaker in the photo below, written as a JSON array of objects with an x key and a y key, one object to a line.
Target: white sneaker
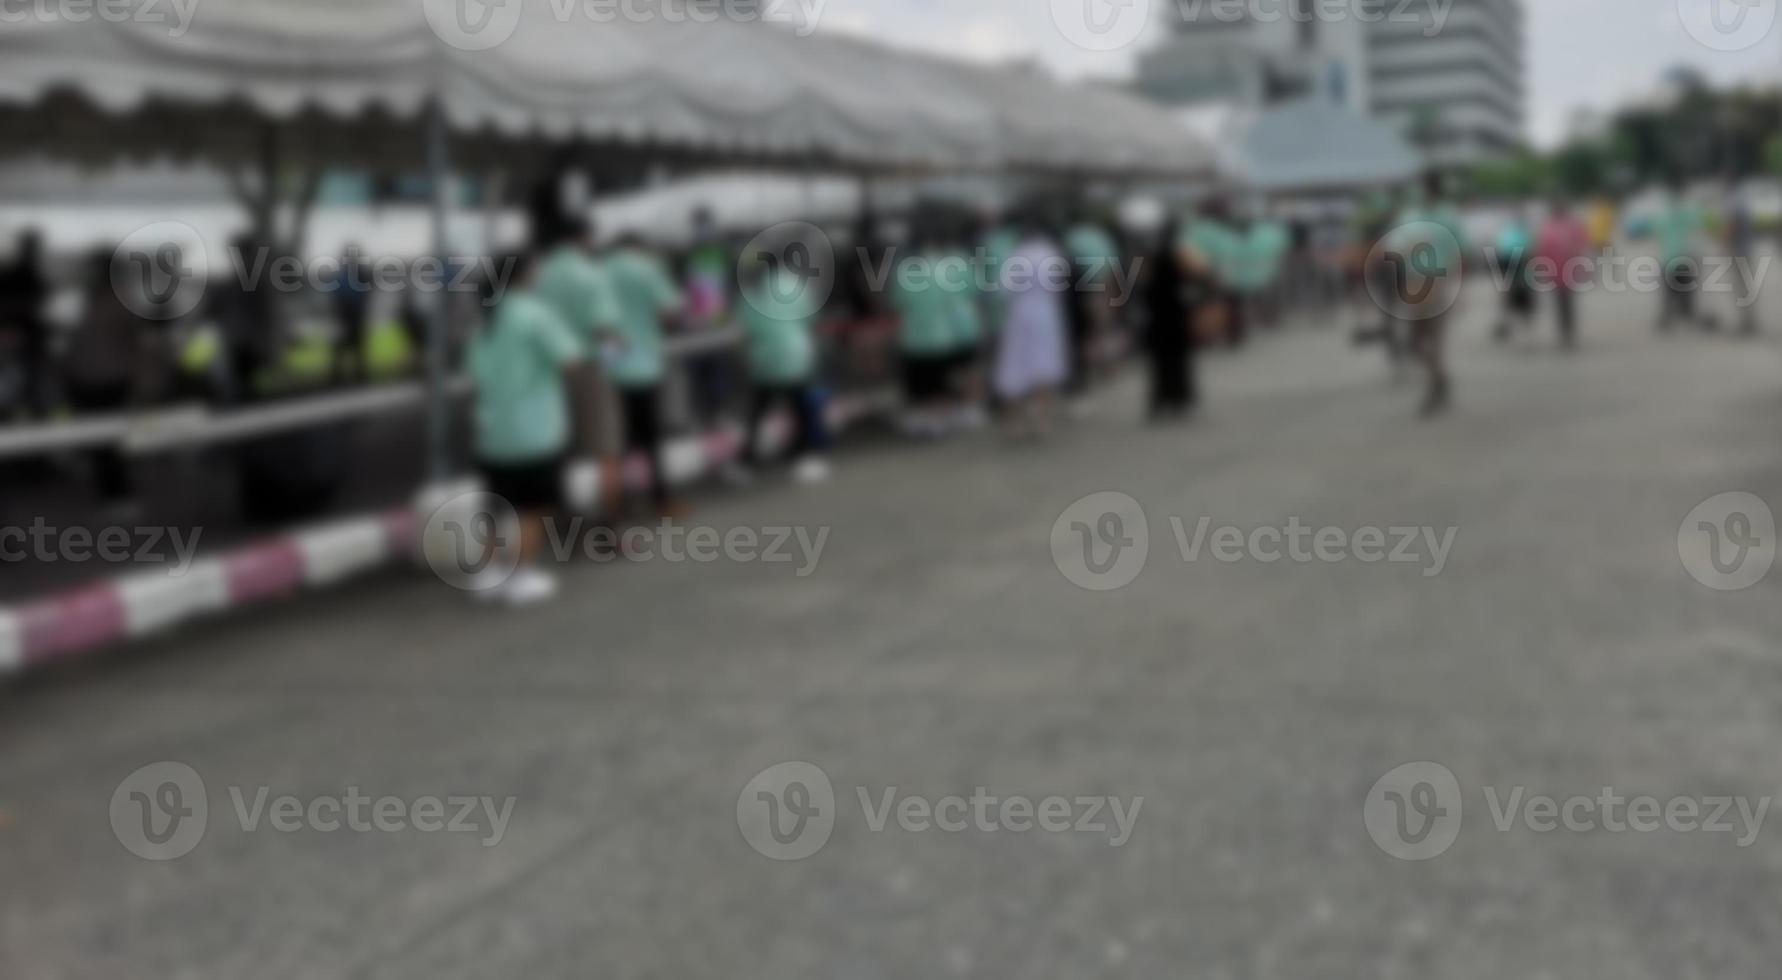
[
  {"x": 811, "y": 470},
  {"x": 530, "y": 586}
]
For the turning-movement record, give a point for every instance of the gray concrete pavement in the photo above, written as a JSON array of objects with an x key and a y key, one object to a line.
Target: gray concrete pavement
[{"x": 938, "y": 648}]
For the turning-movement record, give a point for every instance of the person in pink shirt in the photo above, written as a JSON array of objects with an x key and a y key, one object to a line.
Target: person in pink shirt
[{"x": 1561, "y": 250}]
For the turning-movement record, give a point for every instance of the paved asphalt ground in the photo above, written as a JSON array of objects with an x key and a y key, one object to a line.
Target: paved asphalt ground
[{"x": 937, "y": 648}]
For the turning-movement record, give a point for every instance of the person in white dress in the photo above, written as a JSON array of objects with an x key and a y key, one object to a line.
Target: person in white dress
[{"x": 1032, "y": 360}]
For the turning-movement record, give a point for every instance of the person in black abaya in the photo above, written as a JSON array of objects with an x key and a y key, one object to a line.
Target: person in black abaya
[{"x": 1170, "y": 299}]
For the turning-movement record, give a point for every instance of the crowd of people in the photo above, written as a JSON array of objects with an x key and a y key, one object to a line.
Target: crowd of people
[
  {"x": 1415, "y": 255},
  {"x": 1005, "y": 317},
  {"x": 995, "y": 317}
]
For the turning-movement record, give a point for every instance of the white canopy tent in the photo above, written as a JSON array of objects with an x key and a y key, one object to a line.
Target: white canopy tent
[
  {"x": 266, "y": 88},
  {"x": 353, "y": 74}
]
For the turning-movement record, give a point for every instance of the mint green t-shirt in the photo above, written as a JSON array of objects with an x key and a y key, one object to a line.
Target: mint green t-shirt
[
  {"x": 1437, "y": 225},
  {"x": 779, "y": 321},
  {"x": 642, "y": 292},
  {"x": 573, "y": 285},
  {"x": 1092, "y": 248},
  {"x": 517, "y": 364},
  {"x": 1676, "y": 227},
  {"x": 925, "y": 299},
  {"x": 968, "y": 293},
  {"x": 1275, "y": 241},
  {"x": 1257, "y": 254},
  {"x": 1217, "y": 244},
  {"x": 998, "y": 245}
]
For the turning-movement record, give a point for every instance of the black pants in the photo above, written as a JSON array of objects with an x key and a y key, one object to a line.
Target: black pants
[
  {"x": 110, "y": 475},
  {"x": 643, "y": 433},
  {"x": 1172, "y": 379},
  {"x": 1679, "y": 294},
  {"x": 710, "y": 374},
  {"x": 1566, "y": 305},
  {"x": 807, "y": 424},
  {"x": 1082, "y": 331}
]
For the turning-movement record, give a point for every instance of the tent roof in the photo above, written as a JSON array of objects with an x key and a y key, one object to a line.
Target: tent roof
[
  {"x": 721, "y": 89},
  {"x": 1312, "y": 144}
]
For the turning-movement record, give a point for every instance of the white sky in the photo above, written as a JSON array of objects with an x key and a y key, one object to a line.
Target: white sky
[{"x": 1581, "y": 53}]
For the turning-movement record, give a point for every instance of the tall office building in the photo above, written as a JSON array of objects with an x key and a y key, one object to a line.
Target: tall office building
[{"x": 1448, "y": 77}]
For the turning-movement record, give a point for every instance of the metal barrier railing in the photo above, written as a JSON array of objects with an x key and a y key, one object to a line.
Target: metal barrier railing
[{"x": 193, "y": 426}]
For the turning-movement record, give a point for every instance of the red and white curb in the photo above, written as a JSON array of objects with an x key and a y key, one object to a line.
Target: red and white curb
[{"x": 67, "y": 624}]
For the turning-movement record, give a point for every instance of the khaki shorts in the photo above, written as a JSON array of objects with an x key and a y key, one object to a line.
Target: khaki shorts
[{"x": 595, "y": 424}]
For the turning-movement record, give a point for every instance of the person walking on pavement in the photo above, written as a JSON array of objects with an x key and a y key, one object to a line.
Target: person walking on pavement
[
  {"x": 1514, "y": 258},
  {"x": 1740, "y": 238},
  {"x": 1563, "y": 247},
  {"x": 1428, "y": 260},
  {"x": 1677, "y": 225}
]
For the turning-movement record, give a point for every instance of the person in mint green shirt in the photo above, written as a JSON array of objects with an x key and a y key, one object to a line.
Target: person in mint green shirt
[
  {"x": 997, "y": 244},
  {"x": 1676, "y": 227},
  {"x": 1428, "y": 247},
  {"x": 644, "y": 296},
  {"x": 572, "y": 283},
  {"x": 519, "y": 363},
  {"x": 924, "y": 294},
  {"x": 1093, "y": 255},
  {"x": 970, "y": 298},
  {"x": 1210, "y": 247},
  {"x": 1092, "y": 249},
  {"x": 1514, "y": 255},
  {"x": 779, "y": 318},
  {"x": 1266, "y": 252}
]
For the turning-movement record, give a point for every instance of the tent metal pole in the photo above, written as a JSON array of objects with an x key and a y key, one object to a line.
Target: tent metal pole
[{"x": 439, "y": 418}]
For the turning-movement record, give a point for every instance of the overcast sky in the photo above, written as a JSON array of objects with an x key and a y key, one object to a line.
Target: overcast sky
[{"x": 1594, "y": 53}]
